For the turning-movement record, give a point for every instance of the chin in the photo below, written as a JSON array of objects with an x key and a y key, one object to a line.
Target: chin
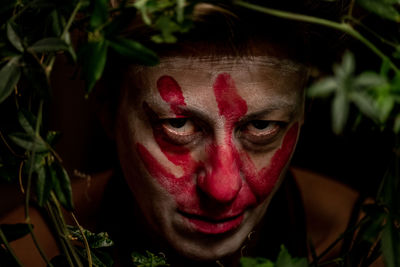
[
  {"x": 199, "y": 246},
  {"x": 210, "y": 249}
]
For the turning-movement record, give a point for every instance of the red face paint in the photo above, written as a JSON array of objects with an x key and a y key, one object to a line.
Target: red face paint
[
  {"x": 228, "y": 177},
  {"x": 171, "y": 92}
]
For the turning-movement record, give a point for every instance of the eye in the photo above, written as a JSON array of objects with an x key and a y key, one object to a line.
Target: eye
[
  {"x": 261, "y": 132},
  {"x": 180, "y": 130}
]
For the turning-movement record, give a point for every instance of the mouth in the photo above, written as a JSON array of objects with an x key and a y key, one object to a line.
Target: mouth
[{"x": 211, "y": 225}]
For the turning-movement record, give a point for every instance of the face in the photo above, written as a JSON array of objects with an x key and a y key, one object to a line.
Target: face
[{"x": 204, "y": 143}]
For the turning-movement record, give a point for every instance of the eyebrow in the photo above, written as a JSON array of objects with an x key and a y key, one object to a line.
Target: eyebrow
[{"x": 204, "y": 116}]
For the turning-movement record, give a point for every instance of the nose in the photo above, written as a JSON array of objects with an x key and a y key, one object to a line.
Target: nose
[{"x": 221, "y": 179}]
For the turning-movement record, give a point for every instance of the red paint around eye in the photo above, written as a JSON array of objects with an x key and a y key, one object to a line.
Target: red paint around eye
[
  {"x": 227, "y": 176},
  {"x": 171, "y": 92},
  {"x": 263, "y": 181}
]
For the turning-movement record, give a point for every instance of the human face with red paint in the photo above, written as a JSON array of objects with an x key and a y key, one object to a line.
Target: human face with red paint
[{"x": 204, "y": 143}]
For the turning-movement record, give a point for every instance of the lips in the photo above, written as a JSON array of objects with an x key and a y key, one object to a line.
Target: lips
[{"x": 213, "y": 225}]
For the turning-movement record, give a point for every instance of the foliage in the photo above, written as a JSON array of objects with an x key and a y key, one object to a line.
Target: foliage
[
  {"x": 284, "y": 260},
  {"x": 34, "y": 32},
  {"x": 148, "y": 260}
]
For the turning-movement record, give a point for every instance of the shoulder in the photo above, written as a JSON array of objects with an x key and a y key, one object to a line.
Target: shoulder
[{"x": 328, "y": 205}]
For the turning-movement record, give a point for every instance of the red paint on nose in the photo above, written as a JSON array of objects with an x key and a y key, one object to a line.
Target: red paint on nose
[
  {"x": 227, "y": 175},
  {"x": 223, "y": 181},
  {"x": 171, "y": 92}
]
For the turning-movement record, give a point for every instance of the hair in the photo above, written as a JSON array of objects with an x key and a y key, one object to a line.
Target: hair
[{"x": 224, "y": 30}]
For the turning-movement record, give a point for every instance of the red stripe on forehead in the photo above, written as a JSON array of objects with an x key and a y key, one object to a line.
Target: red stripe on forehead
[
  {"x": 171, "y": 92},
  {"x": 230, "y": 103}
]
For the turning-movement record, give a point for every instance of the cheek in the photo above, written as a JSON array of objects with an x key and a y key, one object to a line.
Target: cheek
[{"x": 262, "y": 182}]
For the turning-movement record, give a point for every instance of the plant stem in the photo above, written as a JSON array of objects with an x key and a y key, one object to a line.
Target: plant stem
[
  {"x": 60, "y": 233},
  {"x": 334, "y": 243},
  {"x": 382, "y": 39},
  {"x": 89, "y": 254},
  {"x": 343, "y": 27},
  {"x": 71, "y": 20},
  {"x": 63, "y": 36},
  {"x": 64, "y": 229},
  {"x": 28, "y": 190},
  {"x": 10, "y": 250}
]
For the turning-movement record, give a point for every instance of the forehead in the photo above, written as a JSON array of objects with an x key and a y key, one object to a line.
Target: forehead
[{"x": 256, "y": 78}]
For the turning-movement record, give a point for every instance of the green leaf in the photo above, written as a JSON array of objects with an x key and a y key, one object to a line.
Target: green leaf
[
  {"x": 14, "y": 39},
  {"x": 371, "y": 229},
  {"x": 384, "y": 9},
  {"x": 255, "y": 262},
  {"x": 385, "y": 105},
  {"x": 100, "y": 240},
  {"x": 38, "y": 161},
  {"x": 180, "y": 10},
  {"x": 29, "y": 142},
  {"x": 61, "y": 185},
  {"x": 103, "y": 257},
  {"x": 14, "y": 231},
  {"x": 340, "y": 112},
  {"x": 369, "y": 79},
  {"x": 27, "y": 121},
  {"x": 347, "y": 67},
  {"x": 396, "y": 126},
  {"x": 134, "y": 51},
  {"x": 9, "y": 77},
  {"x": 52, "y": 137},
  {"x": 100, "y": 13},
  {"x": 285, "y": 260},
  {"x": 167, "y": 27},
  {"x": 366, "y": 104},
  {"x": 148, "y": 260},
  {"x": 43, "y": 186},
  {"x": 94, "y": 61},
  {"x": 391, "y": 244},
  {"x": 51, "y": 44},
  {"x": 322, "y": 88}
]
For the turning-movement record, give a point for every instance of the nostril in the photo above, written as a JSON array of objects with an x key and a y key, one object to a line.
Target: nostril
[{"x": 219, "y": 185}]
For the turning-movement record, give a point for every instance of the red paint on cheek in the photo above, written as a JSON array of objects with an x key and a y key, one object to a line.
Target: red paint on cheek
[
  {"x": 171, "y": 92},
  {"x": 263, "y": 182}
]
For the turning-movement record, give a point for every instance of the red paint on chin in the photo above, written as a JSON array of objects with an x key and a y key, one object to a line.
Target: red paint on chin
[{"x": 228, "y": 177}]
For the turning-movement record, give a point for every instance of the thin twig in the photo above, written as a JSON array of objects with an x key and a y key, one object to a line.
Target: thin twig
[
  {"x": 351, "y": 7},
  {"x": 8, "y": 146},
  {"x": 60, "y": 233},
  {"x": 89, "y": 254},
  {"x": 21, "y": 186},
  {"x": 64, "y": 229},
  {"x": 28, "y": 189},
  {"x": 10, "y": 250},
  {"x": 343, "y": 27}
]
